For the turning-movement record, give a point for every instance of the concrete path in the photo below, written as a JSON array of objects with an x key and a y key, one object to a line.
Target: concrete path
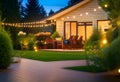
[{"x": 38, "y": 71}]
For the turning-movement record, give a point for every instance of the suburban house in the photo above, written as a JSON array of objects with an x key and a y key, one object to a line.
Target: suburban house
[
  {"x": 80, "y": 19},
  {"x": 76, "y": 21}
]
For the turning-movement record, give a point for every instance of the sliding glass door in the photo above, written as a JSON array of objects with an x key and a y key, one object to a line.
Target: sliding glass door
[
  {"x": 73, "y": 28},
  {"x": 85, "y": 29},
  {"x": 70, "y": 29}
]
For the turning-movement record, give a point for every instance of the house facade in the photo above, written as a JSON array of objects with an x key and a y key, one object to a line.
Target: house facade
[{"x": 81, "y": 19}]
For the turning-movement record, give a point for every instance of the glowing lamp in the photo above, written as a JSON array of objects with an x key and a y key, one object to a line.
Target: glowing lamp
[
  {"x": 99, "y": 7},
  {"x": 86, "y": 13},
  {"x": 104, "y": 41},
  {"x": 36, "y": 50},
  {"x": 106, "y": 5},
  {"x": 81, "y": 14},
  {"x": 119, "y": 70},
  {"x": 68, "y": 17},
  {"x": 35, "y": 47},
  {"x": 73, "y": 16},
  {"x": 95, "y": 10},
  {"x": 62, "y": 18}
]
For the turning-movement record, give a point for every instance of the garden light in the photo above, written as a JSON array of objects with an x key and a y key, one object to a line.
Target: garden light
[
  {"x": 104, "y": 41},
  {"x": 35, "y": 49},
  {"x": 106, "y": 5},
  {"x": 119, "y": 70}
]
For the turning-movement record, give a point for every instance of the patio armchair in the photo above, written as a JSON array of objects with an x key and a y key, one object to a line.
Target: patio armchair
[
  {"x": 49, "y": 43},
  {"x": 71, "y": 43},
  {"x": 80, "y": 42},
  {"x": 58, "y": 43},
  {"x": 74, "y": 42}
]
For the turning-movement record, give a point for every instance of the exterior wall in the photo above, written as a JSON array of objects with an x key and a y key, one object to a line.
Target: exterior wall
[
  {"x": 90, "y": 12},
  {"x": 60, "y": 27}
]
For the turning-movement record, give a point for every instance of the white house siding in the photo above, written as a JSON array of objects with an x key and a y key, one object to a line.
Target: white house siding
[
  {"x": 60, "y": 27},
  {"x": 80, "y": 15}
]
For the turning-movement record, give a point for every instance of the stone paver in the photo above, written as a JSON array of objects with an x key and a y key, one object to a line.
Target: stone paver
[{"x": 38, "y": 71}]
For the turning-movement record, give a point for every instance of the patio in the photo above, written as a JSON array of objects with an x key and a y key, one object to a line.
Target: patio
[
  {"x": 38, "y": 71},
  {"x": 74, "y": 42}
]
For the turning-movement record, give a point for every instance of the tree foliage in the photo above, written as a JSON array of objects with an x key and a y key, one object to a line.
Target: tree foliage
[
  {"x": 112, "y": 7},
  {"x": 51, "y": 12},
  {"x": 10, "y": 10},
  {"x": 34, "y": 11},
  {"x": 55, "y": 35},
  {"x": 10, "y": 14},
  {"x": 112, "y": 53}
]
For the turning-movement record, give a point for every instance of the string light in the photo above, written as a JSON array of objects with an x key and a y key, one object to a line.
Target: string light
[
  {"x": 81, "y": 14},
  {"x": 43, "y": 23},
  {"x": 119, "y": 70},
  {"x": 94, "y": 9},
  {"x": 68, "y": 17},
  {"x": 74, "y": 17},
  {"x": 86, "y": 13},
  {"x": 99, "y": 7},
  {"x": 62, "y": 18}
]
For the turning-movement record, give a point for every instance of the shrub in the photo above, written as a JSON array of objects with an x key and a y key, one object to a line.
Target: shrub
[
  {"x": 31, "y": 45},
  {"x": 94, "y": 40},
  {"x": 26, "y": 41},
  {"x": 112, "y": 53},
  {"x": 39, "y": 44},
  {"x": 6, "y": 49},
  {"x": 55, "y": 35},
  {"x": 112, "y": 34},
  {"x": 92, "y": 45},
  {"x": 42, "y": 37}
]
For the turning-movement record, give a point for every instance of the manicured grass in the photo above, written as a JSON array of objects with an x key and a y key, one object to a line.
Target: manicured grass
[
  {"x": 50, "y": 55},
  {"x": 91, "y": 68}
]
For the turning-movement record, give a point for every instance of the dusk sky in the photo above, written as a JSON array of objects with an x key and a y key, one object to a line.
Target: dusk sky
[{"x": 52, "y": 4}]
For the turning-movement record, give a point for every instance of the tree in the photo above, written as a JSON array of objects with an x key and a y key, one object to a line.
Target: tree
[
  {"x": 22, "y": 12},
  {"x": 112, "y": 51},
  {"x": 43, "y": 13},
  {"x": 51, "y": 12},
  {"x": 10, "y": 10},
  {"x": 113, "y": 11},
  {"x": 10, "y": 14},
  {"x": 71, "y": 2},
  {"x": 34, "y": 11},
  {"x": 112, "y": 7}
]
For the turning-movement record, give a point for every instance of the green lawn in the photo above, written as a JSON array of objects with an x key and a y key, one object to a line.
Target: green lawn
[
  {"x": 47, "y": 56},
  {"x": 50, "y": 55}
]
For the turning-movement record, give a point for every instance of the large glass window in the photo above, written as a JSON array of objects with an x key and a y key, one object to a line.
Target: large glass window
[
  {"x": 79, "y": 29},
  {"x": 85, "y": 29},
  {"x": 103, "y": 25},
  {"x": 70, "y": 29},
  {"x": 67, "y": 30},
  {"x": 73, "y": 28}
]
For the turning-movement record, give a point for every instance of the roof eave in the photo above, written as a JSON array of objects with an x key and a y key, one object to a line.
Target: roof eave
[{"x": 57, "y": 15}]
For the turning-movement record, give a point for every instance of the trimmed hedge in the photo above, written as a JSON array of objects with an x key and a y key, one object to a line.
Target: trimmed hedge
[
  {"x": 112, "y": 53},
  {"x": 6, "y": 49}
]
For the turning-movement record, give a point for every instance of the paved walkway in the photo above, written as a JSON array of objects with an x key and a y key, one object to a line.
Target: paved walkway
[{"x": 38, "y": 71}]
